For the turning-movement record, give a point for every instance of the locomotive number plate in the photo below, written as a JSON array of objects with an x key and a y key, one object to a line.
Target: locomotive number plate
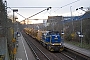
[{"x": 56, "y": 38}]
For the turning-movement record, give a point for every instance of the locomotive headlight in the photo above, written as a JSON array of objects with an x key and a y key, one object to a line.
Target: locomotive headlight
[
  {"x": 53, "y": 44},
  {"x": 60, "y": 44},
  {"x": 56, "y": 36}
]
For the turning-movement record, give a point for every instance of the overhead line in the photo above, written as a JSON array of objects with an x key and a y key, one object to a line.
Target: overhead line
[
  {"x": 42, "y": 7},
  {"x": 70, "y": 3},
  {"x": 27, "y": 7},
  {"x": 40, "y": 12},
  {"x": 18, "y": 13},
  {"x": 67, "y": 5},
  {"x": 32, "y": 7}
]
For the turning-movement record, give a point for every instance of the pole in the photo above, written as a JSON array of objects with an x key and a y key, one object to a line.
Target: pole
[
  {"x": 5, "y": 2},
  {"x": 62, "y": 32},
  {"x": 81, "y": 33},
  {"x": 14, "y": 48},
  {"x": 72, "y": 19},
  {"x": 13, "y": 24},
  {"x": 13, "y": 32}
]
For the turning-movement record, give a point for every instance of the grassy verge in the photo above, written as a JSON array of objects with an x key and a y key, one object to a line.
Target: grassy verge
[{"x": 78, "y": 44}]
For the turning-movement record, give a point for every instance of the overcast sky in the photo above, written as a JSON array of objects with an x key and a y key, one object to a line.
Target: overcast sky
[{"x": 65, "y": 10}]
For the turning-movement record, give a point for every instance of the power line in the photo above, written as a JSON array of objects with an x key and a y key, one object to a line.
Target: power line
[
  {"x": 17, "y": 13},
  {"x": 40, "y": 12},
  {"x": 27, "y": 7},
  {"x": 67, "y": 5},
  {"x": 20, "y": 15},
  {"x": 42, "y": 7}
]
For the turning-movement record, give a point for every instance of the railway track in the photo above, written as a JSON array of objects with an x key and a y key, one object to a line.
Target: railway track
[
  {"x": 42, "y": 53},
  {"x": 75, "y": 55},
  {"x": 64, "y": 56},
  {"x": 37, "y": 52}
]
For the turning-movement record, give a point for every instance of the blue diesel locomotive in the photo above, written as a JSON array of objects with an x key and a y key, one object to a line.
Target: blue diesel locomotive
[{"x": 52, "y": 41}]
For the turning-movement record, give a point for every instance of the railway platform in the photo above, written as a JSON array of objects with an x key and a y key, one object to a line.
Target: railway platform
[
  {"x": 78, "y": 49},
  {"x": 23, "y": 50}
]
